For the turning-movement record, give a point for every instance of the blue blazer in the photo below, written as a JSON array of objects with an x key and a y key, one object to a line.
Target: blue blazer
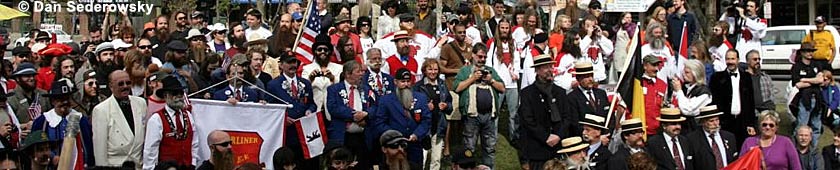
[
  {"x": 341, "y": 113},
  {"x": 391, "y": 115},
  {"x": 303, "y": 103},
  {"x": 57, "y": 134},
  {"x": 389, "y": 87},
  {"x": 223, "y": 94}
]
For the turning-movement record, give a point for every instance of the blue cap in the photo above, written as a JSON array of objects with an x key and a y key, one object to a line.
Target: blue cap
[
  {"x": 26, "y": 68},
  {"x": 297, "y": 16}
]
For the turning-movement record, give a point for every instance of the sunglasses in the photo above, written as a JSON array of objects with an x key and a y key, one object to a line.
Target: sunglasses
[
  {"x": 122, "y": 49},
  {"x": 397, "y": 145},
  {"x": 220, "y": 32},
  {"x": 92, "y": 83},
  {"x": 770, "y": 125},
  {"x": 322, "y": 49},
  {"x": 223, "y": 144},
  {"x": 144, "y": 46},
  {"x": 196, "y": 39},
  {"x": 124, "y": 83},
  {"x": 181, "y": 18}
]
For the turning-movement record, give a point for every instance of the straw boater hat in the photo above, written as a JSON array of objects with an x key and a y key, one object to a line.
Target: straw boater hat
[
  {"x": 401, "y": 34},
  {"x": 594, "y": 121},
  {"x": 631, "y": 125},
  {"x": 670, "y": 115},
  {"x": 572, "y": 144},
  {"x": 582, "y": 67},
  {"x": 542, "y": 60},
  {"x": 708, "y": 111}
]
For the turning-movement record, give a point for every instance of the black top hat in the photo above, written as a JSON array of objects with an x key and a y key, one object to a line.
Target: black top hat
[
  {"x": 322, "y": 39},
  {"x": 170, "y": 84},
  {"x": 61, "y": 87}
]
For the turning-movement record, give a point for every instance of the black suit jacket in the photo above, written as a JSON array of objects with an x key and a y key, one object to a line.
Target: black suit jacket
[
  {"x": 618, "y": 161},
  {"x": 703, "y": 157},
  {"x": 721, "y": 84},
  {"x": 599, "y": 160},
  {"x": 830, "y": 157},
  {"x": 537, "y": 124},
  {"x": 661, "y": 152},
  {"x": 579, "y": 100}
]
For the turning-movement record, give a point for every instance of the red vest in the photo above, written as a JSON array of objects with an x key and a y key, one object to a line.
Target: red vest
[
  {"x": 653, "y": 102},
  {"x": 395, "y": 64},
  {"x": 171, "y": 148}
]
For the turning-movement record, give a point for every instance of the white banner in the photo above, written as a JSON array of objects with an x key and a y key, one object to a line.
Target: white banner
[
  {"x": 312, "y": 133},
  {"x": 256, "y": 130}
]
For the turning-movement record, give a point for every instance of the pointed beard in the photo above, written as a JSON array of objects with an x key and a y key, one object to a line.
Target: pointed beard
[
  {"x": 406, "y": 97},
  {"x": 716, "y": 40},
  {"x": 398, "y": 161}
]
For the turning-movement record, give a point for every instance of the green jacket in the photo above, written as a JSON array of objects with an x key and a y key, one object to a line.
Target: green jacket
[{"x": 463, "y": 75}]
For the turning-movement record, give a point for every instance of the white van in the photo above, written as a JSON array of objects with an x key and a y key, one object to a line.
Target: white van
[{"x": 780, "y": 41}]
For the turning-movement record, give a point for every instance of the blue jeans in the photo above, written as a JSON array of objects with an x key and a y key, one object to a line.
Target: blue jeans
[
  {"x": 484, "y": 126},
  {"x": 511, "y": 98},
  {"x": 805, "y": 117}
]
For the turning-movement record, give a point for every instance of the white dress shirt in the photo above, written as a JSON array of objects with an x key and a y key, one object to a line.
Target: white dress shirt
[
  {"x": 736, "y": 94},
  {"x": 691, "y": 106},
  {"x": 154, "y": 135},
  {"x": 357, "y": 106}
]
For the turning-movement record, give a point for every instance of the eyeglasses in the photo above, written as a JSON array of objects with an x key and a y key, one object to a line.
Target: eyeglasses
[
  {"x": 770, "y": 125},
  {"x": 144, "y": 46},
  {"x": 223, "y": 144},
  {"x": 91, "y": 83},
  {"x": 397, "y": 145}
]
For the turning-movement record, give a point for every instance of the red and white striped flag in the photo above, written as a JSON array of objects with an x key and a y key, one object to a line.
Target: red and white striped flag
[
  {"x": 309, "y": 32},
  {"x": 312, "y": 134},
  {"x": 187, "y": 103},
  {"x": 684, "y": 41},
  {"x": 35, "y": 109},
  {"x": 78, "y": 154}
]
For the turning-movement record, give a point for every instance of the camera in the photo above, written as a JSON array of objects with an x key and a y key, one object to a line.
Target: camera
[
  {"x": 730, "y": 7},
  {"x": 483, "y": 72}
]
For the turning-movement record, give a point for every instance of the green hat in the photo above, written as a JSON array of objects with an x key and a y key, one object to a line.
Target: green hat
[
  {"x": 35, "y": 137},
  {"x": 651, "y": 59}
]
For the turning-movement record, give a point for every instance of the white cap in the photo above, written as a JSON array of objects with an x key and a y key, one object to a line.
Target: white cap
[
  {"x": 119, "y": 43},
  {"x": 38, "y": 47}
]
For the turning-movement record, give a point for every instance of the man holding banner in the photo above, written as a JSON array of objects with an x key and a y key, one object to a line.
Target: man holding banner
[
  {"x": 170, "y": 132},
  {"x": 406, "y": 111},
  {"x": 297, "y": 92}
]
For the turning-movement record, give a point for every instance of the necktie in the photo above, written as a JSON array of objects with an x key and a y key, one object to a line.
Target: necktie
[
  {"x": 238, "y": 95},
  {"x": 676, "y": 152},
  {"x": 716, "y": 152},
  {"x": 378, "y": 82},
  {"x": 592, "y": 101},
  {"x": 733, "y": 74},
  {"x": 178, "y": 124},
  {"x": 351, "y": 99},
  {"x": 294, "y": 90}
]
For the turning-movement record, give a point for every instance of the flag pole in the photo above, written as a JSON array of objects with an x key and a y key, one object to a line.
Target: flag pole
[
  {"x": 627, "y": 62},
  {"x": 305, "y": 20}
]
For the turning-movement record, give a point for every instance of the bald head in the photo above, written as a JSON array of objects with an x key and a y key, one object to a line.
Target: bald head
[
  {"x": 120, "y": 84},
  {"x": 217, "y": 136}
]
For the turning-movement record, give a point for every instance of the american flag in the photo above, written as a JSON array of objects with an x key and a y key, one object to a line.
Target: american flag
[
  {"x": 187, "y": 102},
  {"x": 35, "y": 109},
  {"x": 310, "y": 30}
]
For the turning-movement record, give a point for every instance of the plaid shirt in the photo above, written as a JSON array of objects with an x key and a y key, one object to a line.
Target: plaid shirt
[{"x": 763, "y": 90}]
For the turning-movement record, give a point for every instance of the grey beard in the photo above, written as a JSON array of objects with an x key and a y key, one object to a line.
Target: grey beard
[
  {"x": 175, "y": 104},
  {"x": 406, "y": 97},
  {"x": 657, "y": 43},
  {"x": 572, "y": 164}
]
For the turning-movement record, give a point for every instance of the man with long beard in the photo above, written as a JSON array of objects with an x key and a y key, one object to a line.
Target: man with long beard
[
  {"x": 502, "y": 55},
  {"x": 221, "y": 153},
  {"x": 379, "y": 82},
  {"x": 177, "y": 60},
  {"x": 322, "y": 72},
  {"x": 632, "y": 134},
  {"x": 160, "y": 146},
  {"x": 543, "y": 114},
  {"x": 394, "y": 144},
  {"x": 719, "y": 44},
  {"x": 420, "y": 44},
  {"x": 162, "y": 36},
  {"x": 406, "y": 111},
  {"x": 574, "y": 153},
  {"x": 343, "y": 27},
  {"x": 657, "y": 45}
]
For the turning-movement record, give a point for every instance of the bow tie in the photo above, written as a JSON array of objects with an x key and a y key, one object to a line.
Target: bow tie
[{"x": 733, "y": 74}]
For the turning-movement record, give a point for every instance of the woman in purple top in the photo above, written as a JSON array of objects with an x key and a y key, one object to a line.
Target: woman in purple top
[{"x": 779, "y": 152}]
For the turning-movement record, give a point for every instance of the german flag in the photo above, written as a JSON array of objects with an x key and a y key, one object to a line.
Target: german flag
[{"x": 629, "y": 86}]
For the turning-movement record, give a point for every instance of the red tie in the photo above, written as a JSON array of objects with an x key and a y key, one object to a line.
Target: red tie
[
  {"x": 179, "y": 126},
  {"x": 352, "y": 98},
  {"x": 716, "y": 152},
  {"x": 238, "y": 95},
  {"x": 294, "y": 90},
  {"x": 378, "y": 82},
  {"x": 676, "y": 152}
]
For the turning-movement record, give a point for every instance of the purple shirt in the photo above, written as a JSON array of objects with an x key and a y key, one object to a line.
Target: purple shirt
[{"x": 781, "y": 155}]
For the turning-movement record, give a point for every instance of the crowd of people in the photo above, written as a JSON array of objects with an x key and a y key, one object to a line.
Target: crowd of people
[{"x": 403, "y": 86}]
